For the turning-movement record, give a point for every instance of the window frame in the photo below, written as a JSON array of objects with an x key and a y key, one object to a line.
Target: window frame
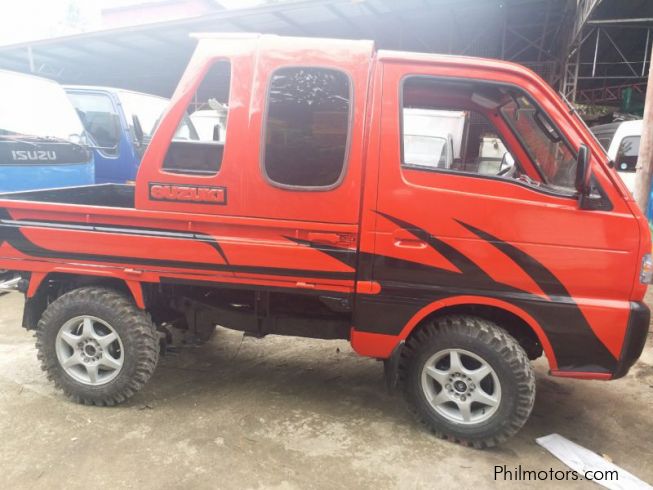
[
  {"x": 162, "y": 169},
  {"x": 116, "y": 108},
  {"x": 264, "y": 128},
  {"x": 527, "y": 149},
  {"x": 544, "y": 190}
]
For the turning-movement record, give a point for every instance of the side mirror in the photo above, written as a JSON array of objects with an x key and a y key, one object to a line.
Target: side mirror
[
  {"x": 138, "y": 129},
  {"x": 583, "y": 172}
]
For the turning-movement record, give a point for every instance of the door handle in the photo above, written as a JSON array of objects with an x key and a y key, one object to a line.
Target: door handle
[
  {"x": 405, "y": 239},
  {"x": 319, "y": 237}
]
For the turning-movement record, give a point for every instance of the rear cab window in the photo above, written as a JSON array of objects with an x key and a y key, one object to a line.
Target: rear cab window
[{"x": 306, "y": 131}]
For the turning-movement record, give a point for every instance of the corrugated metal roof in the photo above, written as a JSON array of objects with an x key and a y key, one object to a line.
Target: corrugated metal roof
[{"x": 151, "y": 57}]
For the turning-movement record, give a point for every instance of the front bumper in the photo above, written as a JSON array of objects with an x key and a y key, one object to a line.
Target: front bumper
[{"x": 635, "y": 340}]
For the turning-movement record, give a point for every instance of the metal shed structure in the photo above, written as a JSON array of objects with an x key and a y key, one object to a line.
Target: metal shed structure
[
  {"x": 590, "y": 49},
  {"x": 609, "y": 50}
]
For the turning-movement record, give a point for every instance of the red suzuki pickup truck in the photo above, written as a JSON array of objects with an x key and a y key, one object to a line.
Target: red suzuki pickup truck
[{"x": 448, "y": 215}]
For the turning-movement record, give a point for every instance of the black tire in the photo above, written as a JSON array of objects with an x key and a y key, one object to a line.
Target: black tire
[
  {"x": 499, "y": 350},
  {"x": 140, "y": 343}
]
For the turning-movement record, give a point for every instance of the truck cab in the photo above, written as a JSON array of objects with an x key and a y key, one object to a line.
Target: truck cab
[
  {"x": 120, "y": 124},
  {"x": 42, "y": 141},
  {"x": 327, "y": 211}
]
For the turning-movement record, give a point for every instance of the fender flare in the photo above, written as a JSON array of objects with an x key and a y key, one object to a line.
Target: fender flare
[
  {"x": 134, "y": 287},
  {"x": 381, "y": 346},
  {"x": 483, "y": 301}
]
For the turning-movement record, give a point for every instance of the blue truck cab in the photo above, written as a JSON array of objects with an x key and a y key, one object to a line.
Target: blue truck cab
[
  {"x": 120, "y": 124},
  {"x": 42, "y": 139}
]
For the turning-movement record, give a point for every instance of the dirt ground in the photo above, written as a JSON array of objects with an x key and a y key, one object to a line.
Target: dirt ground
[{"x": 286, "y": 413}]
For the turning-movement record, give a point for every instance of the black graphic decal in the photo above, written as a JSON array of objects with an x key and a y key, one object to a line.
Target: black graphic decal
[
  {"x": 120, "y": 230},
  {"x": 344, "y": 255},
  {"x": 408, "y": 286},
  {"x": 542, "y": 276},
  {"x": 462, "y": 262},
  {"x": 12, "y": 234}
]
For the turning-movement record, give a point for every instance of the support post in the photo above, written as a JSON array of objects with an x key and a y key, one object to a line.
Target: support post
[
  {"x": 596, "y": 51},
  {"x": 645, "y": 158},
  {"x": 30, "y": 59}
]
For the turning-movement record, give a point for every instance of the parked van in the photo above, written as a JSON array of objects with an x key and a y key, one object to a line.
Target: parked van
[
  {"x": 41, "y": 137},
  {"x": 621, "y": 142},
  {"x": 120, "y": 124}
]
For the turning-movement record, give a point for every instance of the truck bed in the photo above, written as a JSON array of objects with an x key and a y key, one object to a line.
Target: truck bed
[
  {"x": 104, "y": 195},
  {"x": 98, "y": 230}
]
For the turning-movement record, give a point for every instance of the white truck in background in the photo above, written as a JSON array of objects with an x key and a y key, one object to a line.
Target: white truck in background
[
  {"x": 433, "y": 138},
  {"x": 438, "y": 138},
  {"x": 621, "y": 142}
]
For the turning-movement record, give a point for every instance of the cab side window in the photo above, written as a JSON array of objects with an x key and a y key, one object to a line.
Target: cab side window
[
  {"x": 307, "y": 128},
  {"x": 468, "y": 127},
  {"x": 554, "y": 159},
  {"x": 198, "y": 145},
  {"x": 462, "y": 141},
  {"x": 442, "y": 131}
]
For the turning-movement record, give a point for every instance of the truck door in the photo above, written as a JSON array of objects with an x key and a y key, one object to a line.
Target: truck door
[
  {"x": 280, "y": 191},
  {"x": 103, "y": 124},
  {"x": 501, "y": 224}
]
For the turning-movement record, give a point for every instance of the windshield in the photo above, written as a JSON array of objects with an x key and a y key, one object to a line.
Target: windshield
[
  {"x": 149, "y": 109},
  {"x": 554, "y": 159},
  {"x": 36, "y": 107},
  {"x": 604, "y": 144}
]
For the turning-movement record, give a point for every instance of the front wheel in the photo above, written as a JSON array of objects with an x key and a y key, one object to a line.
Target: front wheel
[
  {"x": 97, "y": 346},
  {"x": 468, "y": 380}
]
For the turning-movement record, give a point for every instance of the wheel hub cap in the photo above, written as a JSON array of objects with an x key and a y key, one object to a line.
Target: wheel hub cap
[
  {"x": 461, "y": 386},
  {"x": 89, "y": 350}
]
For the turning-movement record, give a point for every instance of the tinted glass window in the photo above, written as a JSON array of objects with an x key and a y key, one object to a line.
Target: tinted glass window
[
  {"x": 626, "y": 160},
  {"x": 307, "y": 127},
  {"x": 200, "y": 152},
  {"x": 100, "y": 119}
]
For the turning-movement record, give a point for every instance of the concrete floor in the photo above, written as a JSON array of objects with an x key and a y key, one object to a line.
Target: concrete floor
[{"x": 285, "y": 413}]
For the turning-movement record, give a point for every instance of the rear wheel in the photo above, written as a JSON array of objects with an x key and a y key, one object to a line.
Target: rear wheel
[
  {"x": 97, "y": 346},
  {"x": 468, "y": 380}
]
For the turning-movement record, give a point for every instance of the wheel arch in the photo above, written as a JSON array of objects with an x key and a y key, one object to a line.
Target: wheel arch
[
  {"x": 44, "y": 288},
  {"x": 515, "y": 320}
]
